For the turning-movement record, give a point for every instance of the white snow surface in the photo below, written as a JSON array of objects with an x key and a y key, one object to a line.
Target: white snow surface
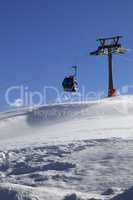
[{"x": 49, "y": 152}]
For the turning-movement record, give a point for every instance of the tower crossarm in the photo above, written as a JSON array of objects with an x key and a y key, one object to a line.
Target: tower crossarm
[{"x": 107, "y": 45}]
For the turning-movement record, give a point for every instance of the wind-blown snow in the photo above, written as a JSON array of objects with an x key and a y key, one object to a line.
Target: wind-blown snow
[
  {"x": 76, "y": 148},
  {"x": 66, "y": 122}
]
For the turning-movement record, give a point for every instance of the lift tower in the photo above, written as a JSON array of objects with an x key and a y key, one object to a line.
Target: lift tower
[{"x": 110, "y": 46}]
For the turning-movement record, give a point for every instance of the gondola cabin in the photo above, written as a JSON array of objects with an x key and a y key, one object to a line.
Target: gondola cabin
[{"x": 70, "y": 83}]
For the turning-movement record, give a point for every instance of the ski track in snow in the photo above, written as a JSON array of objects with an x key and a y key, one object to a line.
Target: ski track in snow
[{"x": 69, "y": 148}]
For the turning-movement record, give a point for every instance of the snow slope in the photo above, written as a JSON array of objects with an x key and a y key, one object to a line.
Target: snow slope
[
  {"x": 81, "y": 148},
  {"x": 101, "y": 119}
]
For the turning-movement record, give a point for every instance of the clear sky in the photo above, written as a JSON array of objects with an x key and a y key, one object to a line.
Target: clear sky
[{"x": 41, "y": 39}]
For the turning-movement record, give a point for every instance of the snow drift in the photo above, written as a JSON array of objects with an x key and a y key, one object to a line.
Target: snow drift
[{"x": 65, "y": 122}]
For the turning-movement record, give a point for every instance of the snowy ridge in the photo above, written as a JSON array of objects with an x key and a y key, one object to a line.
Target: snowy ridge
[
  {"x": 83, "y": 120},
  {"x": 117, "y": 105}
]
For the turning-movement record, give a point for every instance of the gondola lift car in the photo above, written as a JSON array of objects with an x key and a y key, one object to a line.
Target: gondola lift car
[{"x": 70, "y": 83}]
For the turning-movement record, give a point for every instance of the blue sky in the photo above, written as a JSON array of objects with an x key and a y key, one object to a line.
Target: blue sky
[{"x": 41, "y": 39}]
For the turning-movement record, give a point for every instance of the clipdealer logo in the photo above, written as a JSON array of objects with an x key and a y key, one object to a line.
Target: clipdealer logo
[{"x": 28, "y": 97}]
